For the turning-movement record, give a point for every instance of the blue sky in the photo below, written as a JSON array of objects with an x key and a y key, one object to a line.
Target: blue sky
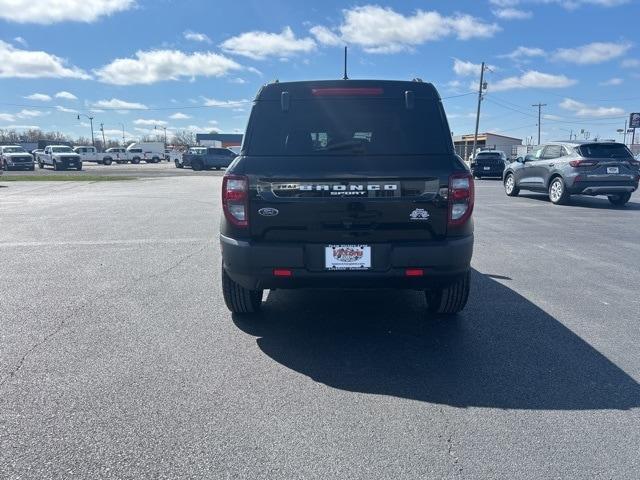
[{"x": 196, "y": 64}]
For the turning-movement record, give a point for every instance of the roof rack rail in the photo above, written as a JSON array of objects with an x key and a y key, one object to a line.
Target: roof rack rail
[{"x": 417, "y": 79}]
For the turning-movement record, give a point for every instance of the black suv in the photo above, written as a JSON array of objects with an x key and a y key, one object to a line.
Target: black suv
[
  {"x": 489, "y": 163},
  {"x": 347, "y": 184}
]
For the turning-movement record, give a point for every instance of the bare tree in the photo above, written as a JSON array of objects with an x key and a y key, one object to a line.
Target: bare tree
[{"x": 184, "y": 138}]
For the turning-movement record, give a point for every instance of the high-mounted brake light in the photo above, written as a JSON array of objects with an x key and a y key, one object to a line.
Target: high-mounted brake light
[
  {"x": 346, "y": 92},
  {"x": 461, "y": 198},
  {"x": 235, "y": 199}
]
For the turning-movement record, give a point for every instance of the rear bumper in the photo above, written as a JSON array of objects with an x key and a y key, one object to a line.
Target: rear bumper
[
  {"x": 251, "y": 264},
  {"x": 602, "y": 188},
  {"x": 479, "y": 171}
]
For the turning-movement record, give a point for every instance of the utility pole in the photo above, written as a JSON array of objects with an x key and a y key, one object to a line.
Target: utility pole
[
  {"x": 93, "y": 142},
  {"x": 123, "y": 141},
  {"x": 625, "y": 132},
  {"x": 104, "y": 142},
  {"x": 481, "y": 87},
  {"x": 539, "y": 105}
]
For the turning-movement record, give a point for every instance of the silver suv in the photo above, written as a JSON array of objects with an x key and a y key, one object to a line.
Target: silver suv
[{"x": 563, "y": 169}]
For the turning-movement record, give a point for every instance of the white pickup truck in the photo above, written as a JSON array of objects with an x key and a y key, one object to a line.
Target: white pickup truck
[
  {"x": 91, "y": 154},
  {"x": 60, "y": 157},
  {"x": 118, "y": 154}
]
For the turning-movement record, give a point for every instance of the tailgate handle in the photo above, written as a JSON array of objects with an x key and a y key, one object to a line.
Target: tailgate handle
[
  {"x": 285, "y": 101},
  {"x": 409, "y": 99}
]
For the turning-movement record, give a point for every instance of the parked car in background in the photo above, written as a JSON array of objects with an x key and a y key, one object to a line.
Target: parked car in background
[
  {"x": 15, "y": 157},
  {"x": 118, "y": 154},
  {"x": 563, "y": 169},
  {"x": 60, "y": 157},
  {"x": 175, "y": 156},
  {"x": 206, "y": 158},
  {"x": 91, "y": 154},
  {"x": 489, "y": 163},
  {"x": 150, "y": 152}
]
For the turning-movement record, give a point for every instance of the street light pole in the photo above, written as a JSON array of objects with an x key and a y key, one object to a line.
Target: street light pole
[
  {"x": 123, "y": 140},
  {"x": 93, "y": 142},
  {"x": 155, "y": 127}
]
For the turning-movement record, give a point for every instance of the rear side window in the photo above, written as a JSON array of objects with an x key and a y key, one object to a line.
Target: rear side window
[
  {"x": 348, "y": 126},
  {"x": 604, "y": 150}
]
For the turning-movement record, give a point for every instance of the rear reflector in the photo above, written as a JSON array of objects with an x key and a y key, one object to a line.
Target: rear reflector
[
  {"x": 345, "y": 92},
  {"x": 414, "y": 272},
  {"x": 282, "y": 272}
]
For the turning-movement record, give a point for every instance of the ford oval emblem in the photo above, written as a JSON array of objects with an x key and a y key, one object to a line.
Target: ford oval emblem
[{"x": 268, "y": 212}]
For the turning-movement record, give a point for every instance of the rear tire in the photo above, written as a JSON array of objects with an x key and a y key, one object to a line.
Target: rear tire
[
  {"x": 619, "y": 200},
  {"x": 558, "y": 192},
  {"x": 239, "y": 299},
  {"x": 40, "y": 164},
  {"x": 107, "y": 161},
  {"x": 178, "y": 164},
  {"x": 135, "y": 160},
  {"x": 196, "y": 165},
  {"x": 510, "y": 187},
  {"x": 450, "y": 299}
]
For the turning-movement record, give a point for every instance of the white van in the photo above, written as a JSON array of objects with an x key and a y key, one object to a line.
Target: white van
[{"x": 150, "y": 152}]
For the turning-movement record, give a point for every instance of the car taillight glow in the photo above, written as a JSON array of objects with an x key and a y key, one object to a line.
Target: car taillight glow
[
  {"x": 282, "y": 272},
  {"x": 345, "y": 92},
  {"x": 235, "y": 199},
  {"x": 461, "y": 198},
  {"x": 582, "y": 163},
  {"x": 414, "y": 272}
]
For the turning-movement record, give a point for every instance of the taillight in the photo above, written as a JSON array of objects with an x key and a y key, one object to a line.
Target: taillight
[
  {"x": 461, "y": 198},
  {"x": 235, "y": 199},
  {"x": 583, "y": 163}
]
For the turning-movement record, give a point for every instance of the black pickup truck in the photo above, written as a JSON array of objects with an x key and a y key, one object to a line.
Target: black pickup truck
[{"x": 347, "y": 184}]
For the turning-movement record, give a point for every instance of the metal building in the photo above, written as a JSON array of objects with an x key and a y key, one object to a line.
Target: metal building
[{"x": 464, "y": 143}]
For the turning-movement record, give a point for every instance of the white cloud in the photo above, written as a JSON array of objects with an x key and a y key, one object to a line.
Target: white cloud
[
  {"x": 157, "y": 65},
  {"x": 18, "y": 63},
  {"x": 62, "y": 109},
  {"x": 549, "y": 116},
  {"x": 512, "y": 14},
  {"x": 612, "y": 82},
  {"x": 521, "y": 53},
  {"x": 592, "y": 53},
  {"x": 21, "y": 41},
  {"x": 7, "y": 117},
  {"x": 325, "y": 36},
  {"x": 583, "y": 110},
  {"x": 179, "y": 116},
  {"x": 39, "y": 97},
  {"x": 46, "y": 12},
  {"x": 22, "y": 127},
  {"x": 30, "y": 113},
  {"x": 260, "y": 45},
  {"x": 532, "y": 79},
  {"x": 66, "y": 95},
  {"x": 118, "y": 104},
  {"x": 383, "y": 30},
  {"x": 196, "y": 37},
  {"x": 465, "y": 68},
  {"x": 151, "y": 123},
  {"x": 212, "y": 102},
  {"x": 238, "y": 80},
  {"x": 630, "y": 63}
]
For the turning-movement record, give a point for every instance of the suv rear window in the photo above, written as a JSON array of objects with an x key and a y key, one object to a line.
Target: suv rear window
[
  {"x": 348, "y": 126},
  {"x": 489, "y": 155},
  {"x": 604, "y": 150}
]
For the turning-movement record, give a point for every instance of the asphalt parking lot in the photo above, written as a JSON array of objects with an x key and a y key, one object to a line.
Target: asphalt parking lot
[{"x": 118, "y": 358}]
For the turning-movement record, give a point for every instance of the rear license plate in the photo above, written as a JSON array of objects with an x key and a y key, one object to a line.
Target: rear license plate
[
  {"x": 613, "y": 170},
  {"x": 347, "y": 257},
  {"x": 487, "y": 168}
]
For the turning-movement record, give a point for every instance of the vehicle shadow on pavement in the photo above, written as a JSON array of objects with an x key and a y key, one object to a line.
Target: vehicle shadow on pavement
[
  {"x": 585, "y": 202},
  {"x": 501, "y": 352}
]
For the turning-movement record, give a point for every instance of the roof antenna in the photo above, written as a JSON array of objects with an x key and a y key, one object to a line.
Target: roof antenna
[{"x": 345, "y": 64}]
